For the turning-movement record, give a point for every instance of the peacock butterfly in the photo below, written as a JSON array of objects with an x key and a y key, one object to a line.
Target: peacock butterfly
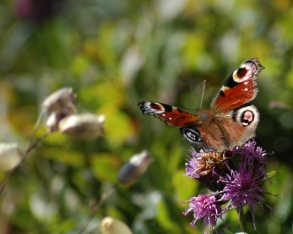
[{"x": 229, "y": 122}]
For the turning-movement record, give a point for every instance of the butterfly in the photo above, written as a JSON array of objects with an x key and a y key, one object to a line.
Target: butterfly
[{"x": 229, "y": 122}]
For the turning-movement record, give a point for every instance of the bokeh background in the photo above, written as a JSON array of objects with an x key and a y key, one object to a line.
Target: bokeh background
[{"x": 115, "y": 54}]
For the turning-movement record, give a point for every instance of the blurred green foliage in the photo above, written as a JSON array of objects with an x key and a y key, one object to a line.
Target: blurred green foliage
[{"x": 114, "y": 54}]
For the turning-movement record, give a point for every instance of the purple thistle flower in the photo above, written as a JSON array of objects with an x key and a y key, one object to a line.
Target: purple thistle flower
[
  {"x": 253, "y": 153},
  {"x": 243, "y": 188},
  {"x": 237, "y": 187},
  {"x": 37, "y": 10},
  {"x": 206, "y": 207}
]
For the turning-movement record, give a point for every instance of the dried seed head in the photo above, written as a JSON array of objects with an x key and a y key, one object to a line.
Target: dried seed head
[
  {"x": 207, "y": 167},
  {"x": 210, "y": 162},
  {"x": 10, "y": 156},
  {"x": 84, "y": 126},
  {"x": 53, "y": 121},
  {"x": 133, "y": 169},
  {"x": 61, "y": 101},
  {"x": 110, "y": 225}
]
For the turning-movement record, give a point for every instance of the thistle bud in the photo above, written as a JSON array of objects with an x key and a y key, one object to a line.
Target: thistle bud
[
  {"x": 133, "y": 169},
  {"x": 61, "y": 101},
  {"x": 85, "y": 126},
  {"x": 113, "y": 226},
  {"x": 10, "y": 156}
]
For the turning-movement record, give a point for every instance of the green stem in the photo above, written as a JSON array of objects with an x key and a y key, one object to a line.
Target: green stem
[
  {"x": 95, "y": 208},
  {"x": 24, "y": 155},
  {"x": 242, "y": 221}
]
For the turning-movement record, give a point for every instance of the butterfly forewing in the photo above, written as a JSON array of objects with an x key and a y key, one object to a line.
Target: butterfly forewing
[
  {"x": 171, "y": 115},
  {"x": 240, "y": 87}
]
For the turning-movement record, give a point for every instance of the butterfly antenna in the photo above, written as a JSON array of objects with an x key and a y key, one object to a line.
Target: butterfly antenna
[{"x": 202, "y": 94}]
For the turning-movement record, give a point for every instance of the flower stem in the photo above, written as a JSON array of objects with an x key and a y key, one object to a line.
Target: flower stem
[
  {"x": 95, "y": 208},
  {"x": 242, "y": 220},
  {"x": 24, "y": 155}
]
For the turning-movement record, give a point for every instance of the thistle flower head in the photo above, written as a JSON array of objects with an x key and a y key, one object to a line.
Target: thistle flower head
[
  {"x": 243, "y": 188},
  {"x": 206, "y": 166},
  {"x": 206, "y": 207},
  {"x": 251, "y": 156},
  {"x": 236, "y": 187}
]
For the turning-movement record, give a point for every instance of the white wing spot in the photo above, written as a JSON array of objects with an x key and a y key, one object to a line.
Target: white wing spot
[
  {"x": 170, "y": 118},
  {"x": 159, "y": 111},
  {"x": 246, "y": 89}
]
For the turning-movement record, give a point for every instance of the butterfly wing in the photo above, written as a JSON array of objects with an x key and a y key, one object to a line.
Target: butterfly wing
[
  {"x": 171, "y": 115},
  {"x": 240, "y": 87},
  {"x": 236, "y": 119},
  {"x": 228, "y": 123},
  {"x": 225, "y": 131}
]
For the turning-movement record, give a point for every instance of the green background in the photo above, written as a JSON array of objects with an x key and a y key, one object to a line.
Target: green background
[{"x": 115, "y": 54}]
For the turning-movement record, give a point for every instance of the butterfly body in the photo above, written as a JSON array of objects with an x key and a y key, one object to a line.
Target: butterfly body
[{"x": 229, "y": 122}]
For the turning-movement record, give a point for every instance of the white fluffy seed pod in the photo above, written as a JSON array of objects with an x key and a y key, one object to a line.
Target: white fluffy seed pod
[
  {"x": 61, "y": 101},
  {"x": 113, "y": 226},
  {"x": 84, "y": 126},
  {"x": 133, "y": 169},
  {"x": 10, "y": 156}
]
